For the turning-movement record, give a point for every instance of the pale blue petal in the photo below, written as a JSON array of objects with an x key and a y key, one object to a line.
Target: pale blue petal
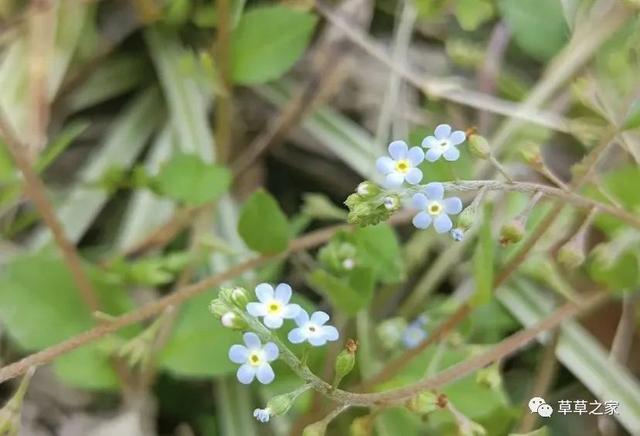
[
  {"x": 393, "y": 180},
  {"x": 283, "y": 293},
  {"x": 272, "y": 321},
  {"x": 414, "y": 176},
  {"x": 415, "y": 156},
  {"x": 433, "y": 154},
  {"x": 317, "y": 341},
  {"x": 452, "y": 205},
  {"x": 422, "y": 220},
  {"x": 457, "y": 137},
  {"x": 265, "y": 374},
  {"x": 430, "y": 141},
  {"x": 256, "y": 309},
  {"x": 385, "y": 164},
  {"x": 451, "y": 154},
  {"x": 398, "y": 150},
  {"x": 319, "y": 317},
  {"x": 264, "y": 292},
  {"x": 245, "y": 374},
  {"x": 252, "y": 341},
  {"x": 302, "y": 318},
  {"x": 330, "y": 333},
  {"x": 434, "y": 191},
  {"x": 271, "y": 351},
  {"x": 442, "y": 131},
  {"x": 420, "y": 201},
  {"x": 442, "y": 223},
  {"x": 291, "y": 311},
  {"x": 238, "y": 354},
  {"x": 297, "y": 335}
]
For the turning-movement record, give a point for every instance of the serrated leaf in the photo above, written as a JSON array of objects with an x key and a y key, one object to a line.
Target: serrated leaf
[
  {"x": 262, "y": 224},
  {"x": 188, "y": 179},
  {"x": 538, "y": 26},
  {"x": 348, "y": 294},
  {"x": 267, "y": 42}
]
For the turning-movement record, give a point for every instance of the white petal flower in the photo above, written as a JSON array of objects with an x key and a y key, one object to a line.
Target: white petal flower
[
  {"x": 273, "y": 306},
  {"x": 443, "y": 143},
  {"x": 434, "y": 208},
  {"x": 414, "y": 334},
  {"x": 402, "y": 165},
  {"x": 254, "y": 359},
  {"x": 312, "y": 329},
  {"x": 262, "y": 415}
]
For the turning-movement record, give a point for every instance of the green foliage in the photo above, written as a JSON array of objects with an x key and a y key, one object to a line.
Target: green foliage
[
  {"x": 188, "y": 179},
  {"x": 262, "y": 224},
  {"x": 471, "y": 14},
  {"x": 538, "y": 26},
  {"x": 632, "y": 120},
  {"x": 379, "y": 249},
  {"x": 349, "y": 294},
  {"x": 267, "y": 42},
  {"x": 483, "y": 259},
  {"x": 41, "y": 285}
]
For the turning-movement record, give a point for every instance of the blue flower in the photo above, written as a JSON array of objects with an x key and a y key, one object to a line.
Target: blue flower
[
  {"x": 402, "y": 165},
  {"x": 443, "y": 143},
  {"x": 457, "y": 234},
  {"x": 273, "y": 307},
  {"x": 262, "y": 415},
  {"x": 433, "y": 207},
  {"x": 415, "y": 333},
  {"x": 313, "y": 329},
  {"x": 254, "y": 359}
]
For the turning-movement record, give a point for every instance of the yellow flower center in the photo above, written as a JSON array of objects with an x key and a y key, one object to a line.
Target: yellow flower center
[
  {"x": 255, "y": 359},
  {"x": 434, "y": 208},
  {"x": 402, "y": 166},
  {"x": 274, "y": 307}
]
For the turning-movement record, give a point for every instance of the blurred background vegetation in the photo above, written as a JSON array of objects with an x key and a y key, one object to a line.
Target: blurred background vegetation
[{"x": 176, "y": 138}]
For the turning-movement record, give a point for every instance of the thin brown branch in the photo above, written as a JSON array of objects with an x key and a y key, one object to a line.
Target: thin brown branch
[{"x": 36, "y": 191}]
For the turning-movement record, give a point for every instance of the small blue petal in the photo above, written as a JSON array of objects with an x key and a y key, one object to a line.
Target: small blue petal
[
  {"x": 433, "y": 154},
  {"x": 422, "y": 220},
  {"x": 413, "y": 177},
  {"x": 264, "y": 292},
  {"x": 317, "y": 341},
  {"x": 272, "y": 321},
  {"x": 245, "y": 374},
  {"x": 442, "y": 223},
  {"x": 256, "y": 309},
  {"x": 442, "y": 131},
  {"x": 265, "y": 374},
  {"x": 452, "y": 205},
  {"x": 330, "y": 333},
  {"x": 434, "y": 191},
  {"x": 430, "y": 141},
  {"x": 271, "y": 351},
  {"x": 393, "y": 180},
  {"x": 302, "y": 318},
  {"x": 457, "y": 137},
  {"x": 297, "y": 335},
  {"x": 238, "y": 354},
  {"x": 385, "y": 165},
  {"x": 451, "y": 154},
  {"x": 419, "y": 201},
  {"x": 415, "y": 156},
  {"x": 283, "y": 293},
  {"x": 398, "y": 150},
  {"x": 251, "y": 340},
  {"x": 319, "y": 317}
]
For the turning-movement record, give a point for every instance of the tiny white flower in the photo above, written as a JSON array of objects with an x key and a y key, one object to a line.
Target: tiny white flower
[
  {"x": 390, "y": 203},
  {"x": 402, "y": 165},
  {"x": 313, "y": 329},
  {"x": 435, "y": 208},
  {"x": 273, "y": 306},
  {"x": 254, "y": 359},
  {"x": 443, "y": 143},
  {"x": 348, "y": 263},
  {"x": 228, "y": 319},
  {"x": 262, "y": 415}
]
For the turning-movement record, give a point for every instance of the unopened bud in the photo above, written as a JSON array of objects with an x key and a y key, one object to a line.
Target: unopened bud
[
  {"x": 479, "y": 147},
  {"x": 10, "y": 414},
  {"x": 218, "y": 308},
  {"x": 467, "y": 217},
  {"x": 280, "y": 404},
  {"x": 391, "y": 202},
  {"x": 423, "y": 403},
  {"x": 348, "y": 264},
  {"x": 239, "y": 297},
  {"x": 232, "y": 321},
  {"x": 532, "y": 155},
  {"x": 571, "y": 255},
  {"x": 345, "y": 361},
  {"x": 489, "y": 377},
  {"x": 368, "y": 189},
  {"x": 457, "y": 234},
  {"x": 512, "y": 232}
]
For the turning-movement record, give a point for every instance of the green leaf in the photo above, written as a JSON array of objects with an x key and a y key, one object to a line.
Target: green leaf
[
  {"x": 189, "y": 179},
  {"x": 538, "y": 26},
  {"x": 262, "y": 224},
  {"x": 471, "y": 14},
  {"x": 267, "y": 42},
  {"x": 378, "y": 248},
  {"x": 41, "y": 306},
  {"x": 483, "y": 258},
  {"x": 199, "y": 343},
  {"x": 87, "y": 367},
  {"x": 348, "y": 294}
]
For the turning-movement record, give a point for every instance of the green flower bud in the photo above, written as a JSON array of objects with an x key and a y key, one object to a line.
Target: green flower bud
[
  {"x": 365, "y": 211},
  {"x": 467, "y": 217},
  {"x": 239, "y": 297},
  {"x": 532, "y": 155},
  {"x": 218, "y": 307},
  {"x": 489, "y": 377},
  {"x": 345, "y": 361},
  {"x": 479, "y": 147},
  {"x": 368, "y": 189},
  {"x": 571, "y": 255},
  {"x": 280, "y": 404},
  {"x": 232, "y": 321},
  {"x": 11, "y": 412},
  {"x": 391, "y": 202},
  {"x": 424, "y": 402},
  {"x": 512, "y": 232}
]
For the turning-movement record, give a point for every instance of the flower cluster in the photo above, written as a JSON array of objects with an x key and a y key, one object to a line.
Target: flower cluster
[
  {"x": 371, "y": 204},
  {"x": 274, "y": 307}
]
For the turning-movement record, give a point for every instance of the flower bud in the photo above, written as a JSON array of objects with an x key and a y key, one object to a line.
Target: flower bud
[
  {"x": 368, "y": 211},
  {"x": 239, "y": 297},
  {"x": 280, "y": 404},
  {"x": 467, "y": 217},
  {"x": 423, "y": 403},
  {"x": 532, "y": 155},
  {"x": 345, "y": 361},
  {"x": 512, "y": 232},
  {"x": 489, "y": 377},
  {"x": 368, "y": 189},
  {"x": 232, "y": 321},
  {"x": 391, "y": 202},
  {"x": 457, "y": 234},
  {"x": 479, "y": 147},
  {"x": 571, "y": 255},
  {"x": 218, "y": 307},
  {"x": 10, "y": 414}
]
